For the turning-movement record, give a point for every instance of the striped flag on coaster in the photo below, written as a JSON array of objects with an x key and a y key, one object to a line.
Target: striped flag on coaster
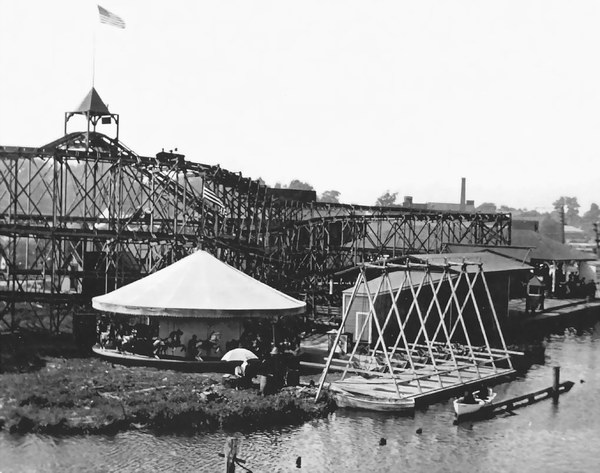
[
  {"x": 211, "y": 196},
  {"x": 109, "y": 18}
]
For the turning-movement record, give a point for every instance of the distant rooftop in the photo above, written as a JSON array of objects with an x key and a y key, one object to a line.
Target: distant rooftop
[
  {"x": 528, "y": 245},
  {"x": 491, "y": 263}
]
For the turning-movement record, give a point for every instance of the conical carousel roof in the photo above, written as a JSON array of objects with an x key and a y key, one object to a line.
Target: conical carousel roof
[{"x": 200, "y": 286}]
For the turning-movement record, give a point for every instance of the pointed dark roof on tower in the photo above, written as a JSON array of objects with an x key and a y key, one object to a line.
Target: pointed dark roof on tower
[{"x": 93, "y": 104}]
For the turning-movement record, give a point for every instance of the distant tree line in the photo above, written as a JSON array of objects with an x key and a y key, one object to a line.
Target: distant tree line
[
  {"x": 550, "y": 222},
  {"x": 330, "y": 196}
]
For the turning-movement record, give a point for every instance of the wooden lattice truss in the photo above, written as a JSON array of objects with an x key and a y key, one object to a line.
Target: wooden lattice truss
[
  {"x": 85, "y": 210},
  {"x": 447, "y": 350}
]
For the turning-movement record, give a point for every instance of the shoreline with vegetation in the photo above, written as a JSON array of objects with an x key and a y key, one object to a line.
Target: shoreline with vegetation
[{"x": 85, "y": 395}]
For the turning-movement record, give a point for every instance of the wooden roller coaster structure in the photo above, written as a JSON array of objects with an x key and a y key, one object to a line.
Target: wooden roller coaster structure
[{"x": 84, "y": 215}]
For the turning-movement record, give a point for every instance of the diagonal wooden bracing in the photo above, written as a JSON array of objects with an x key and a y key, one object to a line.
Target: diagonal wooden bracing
[
  {"x": 85, "y": 214},
  {"x": 441, "y": 354}
]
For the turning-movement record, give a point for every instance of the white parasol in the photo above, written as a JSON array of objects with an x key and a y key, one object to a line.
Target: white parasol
[{"x": 239, "y": 354}]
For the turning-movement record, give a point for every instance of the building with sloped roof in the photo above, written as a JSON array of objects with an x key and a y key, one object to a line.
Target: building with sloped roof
[
  {"x": 503, "y": 275},
  {"x": 538, "y": 250}
]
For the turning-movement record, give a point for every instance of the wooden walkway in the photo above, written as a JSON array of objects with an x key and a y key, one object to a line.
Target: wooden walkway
[
  {"x": 554, "y": 309},
  {"x": 528, "y": 399}
]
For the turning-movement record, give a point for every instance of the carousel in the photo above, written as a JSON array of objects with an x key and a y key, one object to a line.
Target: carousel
[{"x": 189, "y": 315}]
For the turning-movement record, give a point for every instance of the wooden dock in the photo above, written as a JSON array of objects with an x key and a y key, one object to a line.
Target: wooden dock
[
  {"x": 425, "y": 384},
  {"x": 556, "y": 311},
  {"x": 527, "y": 399},
  {"x": 508, "y": 405}
]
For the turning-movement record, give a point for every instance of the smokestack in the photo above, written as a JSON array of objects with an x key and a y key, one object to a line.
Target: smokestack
[{"x": 463, "y": 193}]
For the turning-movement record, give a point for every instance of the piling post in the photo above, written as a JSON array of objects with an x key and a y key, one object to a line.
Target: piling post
[
  {"x": 230, "y": 451},
  {"x": 556, "y": 382}
]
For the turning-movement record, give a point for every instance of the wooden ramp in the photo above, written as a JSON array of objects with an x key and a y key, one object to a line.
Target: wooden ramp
[{"x": 531, "y": 398}]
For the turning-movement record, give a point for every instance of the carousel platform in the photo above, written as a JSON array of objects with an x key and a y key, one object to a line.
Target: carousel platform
[{"x": 170, "y": 362}]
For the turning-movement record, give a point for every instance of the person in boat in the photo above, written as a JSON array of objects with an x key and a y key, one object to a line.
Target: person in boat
[
  {"x": 468, "y": 398},
  {"x": 483, "y": 393}
]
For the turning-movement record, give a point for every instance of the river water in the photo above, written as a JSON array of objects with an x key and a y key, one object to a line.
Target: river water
[{"x": 544, "y": 437}]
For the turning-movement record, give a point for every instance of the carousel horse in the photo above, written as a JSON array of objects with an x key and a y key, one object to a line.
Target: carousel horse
[
  {"x": 173, "y": 341},
  {"x": 210, "y": 346},
  {"x": 104, "y": 338}
]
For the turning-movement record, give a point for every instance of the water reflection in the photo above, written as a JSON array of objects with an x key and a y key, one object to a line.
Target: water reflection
[{"x": 542, "y": 437}]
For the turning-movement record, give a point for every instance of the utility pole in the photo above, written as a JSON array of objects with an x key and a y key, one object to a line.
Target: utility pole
[
  {"x": 595, "y": 225},
  {"x": 562, "y": 223}
]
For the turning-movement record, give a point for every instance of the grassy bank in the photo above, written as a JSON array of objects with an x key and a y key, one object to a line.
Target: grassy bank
[{"x": 87, "y": 395}]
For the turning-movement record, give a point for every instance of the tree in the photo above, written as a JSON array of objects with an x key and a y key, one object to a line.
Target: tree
[
  {"x": 261, "y": 181},
  {"x": 572, "y": 213},
  {"x": 550, "y": 228},
  {"x": 331, "y": 197},
  {"x": 387, "y": 199},
  {"x": 530, "y": 213},
  {"x": 487, "y": 208},
  {"x": 592, "y": 215},
  {"x": 299, "y": 185},
  {"x": 588, "y": 220}
]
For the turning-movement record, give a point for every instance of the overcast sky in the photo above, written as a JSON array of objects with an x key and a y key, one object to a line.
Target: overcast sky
[{"x": 357, "y": 96}]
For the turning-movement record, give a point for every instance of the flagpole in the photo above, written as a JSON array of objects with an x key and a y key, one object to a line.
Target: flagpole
[
  {"x": 94, "y": 57},
  {"x": 94, "y": 31}
]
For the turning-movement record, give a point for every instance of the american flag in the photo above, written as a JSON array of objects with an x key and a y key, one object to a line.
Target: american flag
[
  {"x": 211, "y": 197},
  {"x": 109, "y": 18}
]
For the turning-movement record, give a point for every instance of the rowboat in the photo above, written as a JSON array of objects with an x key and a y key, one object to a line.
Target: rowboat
[
  {"x": 354, "y": 401},
  {"x": 463, "y": 408},
  {"x": 357, "y": 392}
]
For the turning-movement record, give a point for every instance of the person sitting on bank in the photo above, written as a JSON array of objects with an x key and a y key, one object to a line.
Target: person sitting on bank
[
  {"x": 245, "y": 373},
  {"x": 241, "y": 369}
]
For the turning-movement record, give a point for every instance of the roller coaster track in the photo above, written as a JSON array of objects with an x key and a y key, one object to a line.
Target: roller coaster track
[{"x": 84, "y": 215}]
